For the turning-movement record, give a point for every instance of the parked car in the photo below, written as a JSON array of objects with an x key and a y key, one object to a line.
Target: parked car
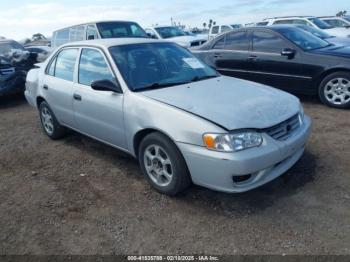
[
  {"x": 285, "y": 57},
  {"x": 344, "y": 41},
  {"x": 15, "y": 62},
  {"x": 219, "y": 29},
  {"x": 309, "y": 21},
  {"x": 176, "y": 35},
  {"x": 226, "y": 134},
  {"x": 336, "y": 21},
  {"x": 43, "y": 52},
  {"x": 97, "y": 30}
]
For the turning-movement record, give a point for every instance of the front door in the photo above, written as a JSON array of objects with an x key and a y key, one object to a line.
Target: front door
[
  {"x": 272, "y": 68},
  {"x": 98, "y": 113}
]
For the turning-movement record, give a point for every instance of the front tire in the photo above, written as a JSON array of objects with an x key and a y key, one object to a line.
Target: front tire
[
  {"x": 51, "y": 127},
  {"x": 334, "y": 90},
  {"x": 163, "y": 164}
]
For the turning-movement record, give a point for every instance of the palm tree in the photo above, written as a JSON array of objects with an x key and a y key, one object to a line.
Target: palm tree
[{"x": 204, "y": 25}]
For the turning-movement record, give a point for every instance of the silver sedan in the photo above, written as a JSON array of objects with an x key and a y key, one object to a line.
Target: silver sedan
[{"x": 183, "y": 121}]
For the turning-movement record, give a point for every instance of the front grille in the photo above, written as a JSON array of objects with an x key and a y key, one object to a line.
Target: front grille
[
  {"x": 284, "y": 130},
  {"x": 7, "y": 71}
]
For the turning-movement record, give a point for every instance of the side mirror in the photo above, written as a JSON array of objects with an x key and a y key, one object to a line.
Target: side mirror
[
  {"x": 91, "y": 37},
  {"x": 106, "y": 85},
  {"x": 288, "y": 52}
]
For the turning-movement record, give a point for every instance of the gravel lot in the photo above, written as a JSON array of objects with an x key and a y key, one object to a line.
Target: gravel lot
[{"x": 78, "y": 196}]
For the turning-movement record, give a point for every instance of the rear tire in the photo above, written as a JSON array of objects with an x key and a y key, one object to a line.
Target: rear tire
[
  {"x": 334, "y": 90},
  {"x": 163, "y": 164},
  {"x": 49, "y": 122}
]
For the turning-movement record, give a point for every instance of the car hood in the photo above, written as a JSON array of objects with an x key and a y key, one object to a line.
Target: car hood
[
  {"x": 183, "y": 39},
  {"x": 342, "y": 32},
  {"x": 230, "y": 102},
  {"x": 334, "y": 50},
  {"x": 344, "y": 41}
]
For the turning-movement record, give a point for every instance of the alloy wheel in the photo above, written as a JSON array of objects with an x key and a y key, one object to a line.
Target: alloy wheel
[
  {"x": 337, "y": 91},
  {"x": 47, "y": 120},
  {"x": 158, "y": 165}
]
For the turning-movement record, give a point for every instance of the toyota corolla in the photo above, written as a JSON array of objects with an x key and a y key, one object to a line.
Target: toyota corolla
[{"x": 183, "y": 121}]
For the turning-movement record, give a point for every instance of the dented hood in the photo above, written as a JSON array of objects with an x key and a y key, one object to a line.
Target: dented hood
[{"x": 230, "y": 102}]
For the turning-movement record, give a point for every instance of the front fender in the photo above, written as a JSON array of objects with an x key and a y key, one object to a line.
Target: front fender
[{"x": 142, "y": 113}]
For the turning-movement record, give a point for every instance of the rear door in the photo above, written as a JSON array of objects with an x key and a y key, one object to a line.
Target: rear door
[
  {"x": 269, "y": 67},
  {"x": 232, "y": 57},
  {"x": 98, "y": 113},
  {"x": 58, "y": 85}
]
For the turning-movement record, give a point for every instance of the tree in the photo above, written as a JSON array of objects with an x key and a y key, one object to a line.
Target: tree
[{"x": 204, "y": 25}]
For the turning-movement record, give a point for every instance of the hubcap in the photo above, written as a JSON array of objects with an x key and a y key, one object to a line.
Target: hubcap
[
  {"x": 47, "y": 120},
  {"x": 337, "y": 91},
  {"x": 158, "y": 165}
]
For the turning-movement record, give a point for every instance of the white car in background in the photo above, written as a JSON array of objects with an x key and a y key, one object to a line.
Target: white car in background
[
  {"x": 176, "y": 35},
  {"x": 309, "y": 21},
  {"x": 219, "y": 29},
  {"x": 335, "y": 21}
]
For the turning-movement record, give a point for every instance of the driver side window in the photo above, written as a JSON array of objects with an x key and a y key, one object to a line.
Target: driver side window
[{"x": 267, "y": 42}]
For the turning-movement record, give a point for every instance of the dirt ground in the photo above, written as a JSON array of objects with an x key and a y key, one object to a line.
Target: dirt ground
[{"x": 78, "y": 196}]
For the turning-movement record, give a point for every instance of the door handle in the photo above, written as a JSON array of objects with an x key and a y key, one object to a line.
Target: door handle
[
  {"x": 46, "y": 87},
  {"x": 77, "y": 97},
  {"x": 252, "y": 57},
  {"x": 217, "y": 55}
]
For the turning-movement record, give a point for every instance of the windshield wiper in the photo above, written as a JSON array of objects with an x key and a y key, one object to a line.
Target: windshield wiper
[
  {"x": 159, "y": 85},
  {"x": 199, "y": 78}
]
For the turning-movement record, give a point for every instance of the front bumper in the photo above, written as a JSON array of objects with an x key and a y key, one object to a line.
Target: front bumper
[
  {"x": 12, "y": 84},
  {"x": 216, "y": 170}
]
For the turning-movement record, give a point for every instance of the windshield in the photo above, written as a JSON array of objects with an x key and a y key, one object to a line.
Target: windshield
[
  {"x": 168, "y": 32},
  {"x": 347, "y": 18},
  {"x": 120, "y": 29},
  {"x": 154, "y": 65},
  {"x": 319, "y": 23},
  {"x": 303, "y": 39},
  {"x": 10, "y": 47},
  {"x": 317, "y": 32}
]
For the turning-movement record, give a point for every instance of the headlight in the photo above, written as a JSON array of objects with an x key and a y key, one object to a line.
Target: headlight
[{"x": 232, "y": 142}]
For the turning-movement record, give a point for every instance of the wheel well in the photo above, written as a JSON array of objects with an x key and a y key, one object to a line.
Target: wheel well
[
  {"x": 331, "y": 71},
  {"x": 39, "y": 100},
  {"x": 141, "y": 135}
]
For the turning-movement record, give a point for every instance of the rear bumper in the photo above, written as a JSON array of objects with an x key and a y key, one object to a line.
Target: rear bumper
[
  {"x": 12, "y": 84},
  {"x": 217, "y": 170}
]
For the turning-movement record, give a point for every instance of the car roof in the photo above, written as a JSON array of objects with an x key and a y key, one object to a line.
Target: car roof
[
  {"x": 106, "y": 43},
  {"x": 288, "y": 17},
  {"x": 95, "y": 22}
]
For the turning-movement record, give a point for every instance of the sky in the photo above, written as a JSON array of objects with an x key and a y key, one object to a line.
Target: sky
[{"x": 22, "y": 18}]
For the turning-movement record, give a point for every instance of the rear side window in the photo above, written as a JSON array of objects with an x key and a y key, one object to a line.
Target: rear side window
[
  {"x": 51, "y": 70},
  {"x": 220, "y": 44},
  {"x": 93, "y": 67},
  {"x": 267, "y": 42},
  {"x": 215, "y": 30},
  {"x": 65, "y": 64},
  {"x": 237, "y": 41}
]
